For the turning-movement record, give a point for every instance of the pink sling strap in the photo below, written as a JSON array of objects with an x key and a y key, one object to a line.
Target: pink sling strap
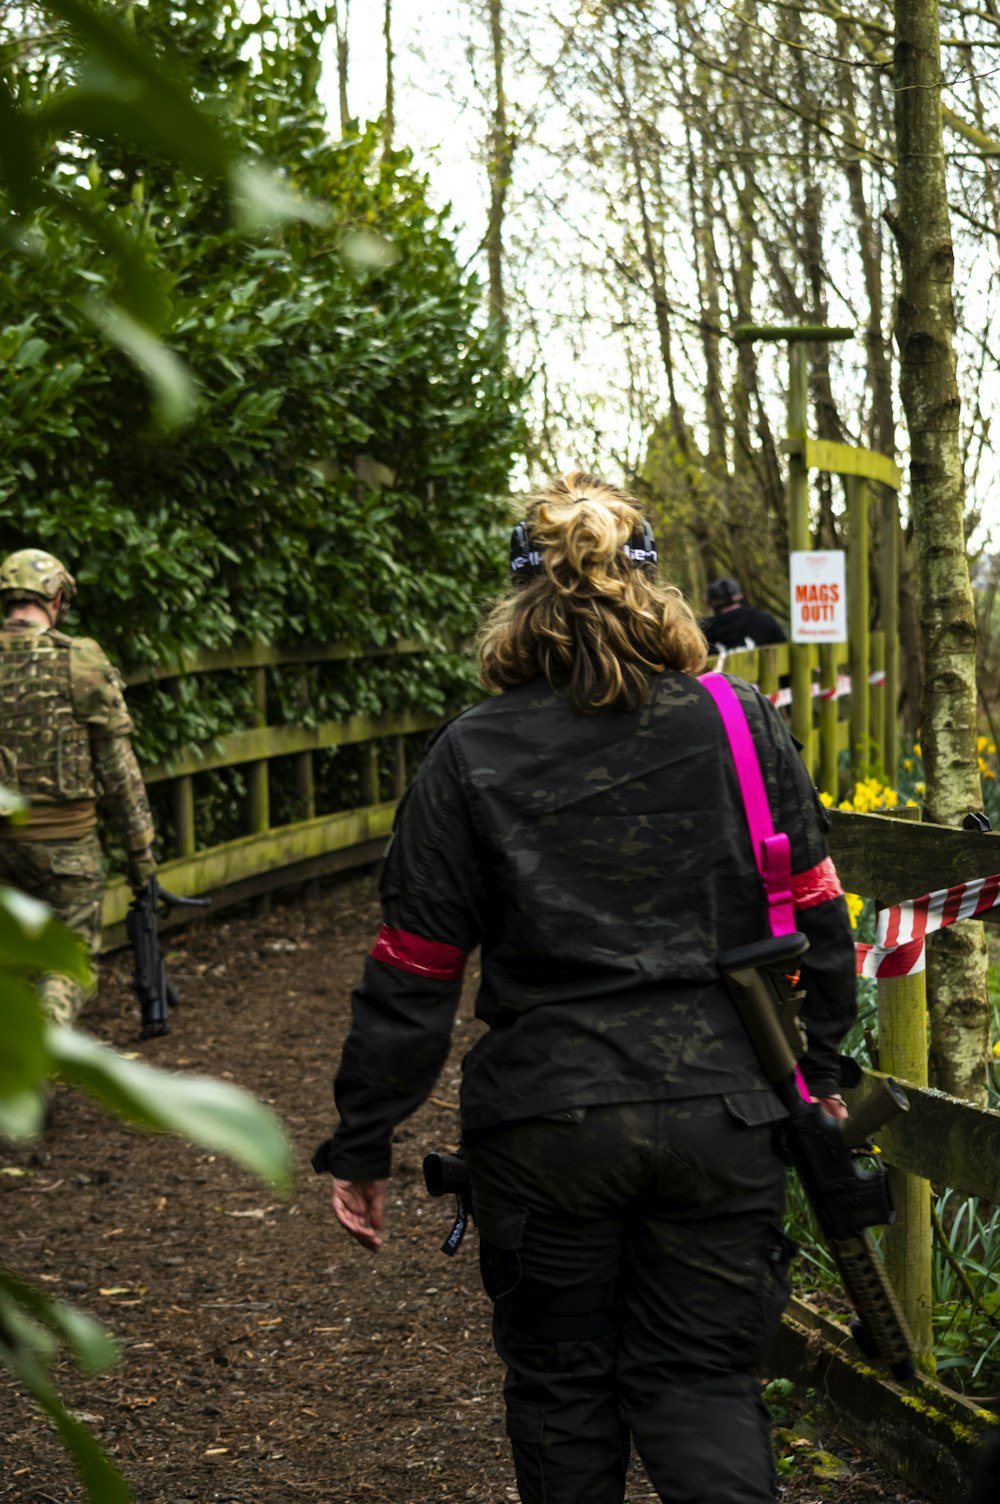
[{"x": 772, "y": 851}]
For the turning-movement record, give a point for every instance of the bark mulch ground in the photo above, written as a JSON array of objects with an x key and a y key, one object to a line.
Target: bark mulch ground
[{"x": 266, "y": 1359}]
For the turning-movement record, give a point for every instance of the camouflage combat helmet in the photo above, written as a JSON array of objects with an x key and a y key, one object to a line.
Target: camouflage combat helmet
[{"x": 32, "y": 572}]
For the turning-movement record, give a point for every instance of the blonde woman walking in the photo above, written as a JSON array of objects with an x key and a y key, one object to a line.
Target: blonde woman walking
[{"x": 584, "y": 827}]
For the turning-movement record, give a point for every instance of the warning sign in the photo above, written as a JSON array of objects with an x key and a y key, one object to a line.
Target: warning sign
[{"x": 819, "y": 598}]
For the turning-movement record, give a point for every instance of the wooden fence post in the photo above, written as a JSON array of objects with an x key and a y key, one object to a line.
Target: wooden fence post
[
  {"x": 184, "y": 834},
  {"x": 902, "y": 1047},
  {"x": 369, "y": 774},
  {"x": 857, "y": 618},
  {"x": 305, "y": 780},
  {"x": 800, "y": 658},
  {"x": 399, "y": 769},
  {"x": 305, "y": 784},
  {"x": 257, "y": 773},
  {"x": 906, "y": 1243}
]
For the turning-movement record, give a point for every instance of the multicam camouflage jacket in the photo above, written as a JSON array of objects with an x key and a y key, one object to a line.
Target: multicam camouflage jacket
[
  {"x": 64, "y": 730},
  {"x": 601, "y": 863}
]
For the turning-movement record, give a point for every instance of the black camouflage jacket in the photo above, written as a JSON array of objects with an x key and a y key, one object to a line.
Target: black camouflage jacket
[{"x": 601, "y": 863}]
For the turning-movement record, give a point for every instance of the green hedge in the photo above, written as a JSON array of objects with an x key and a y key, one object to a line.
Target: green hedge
[{"x": 362, "y": 336}]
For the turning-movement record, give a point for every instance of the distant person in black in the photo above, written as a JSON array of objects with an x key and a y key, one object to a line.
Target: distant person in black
[{"x": 735, "y": 625}]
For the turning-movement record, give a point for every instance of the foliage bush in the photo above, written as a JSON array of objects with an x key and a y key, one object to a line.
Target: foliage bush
[{"x": 323, "y": 343}]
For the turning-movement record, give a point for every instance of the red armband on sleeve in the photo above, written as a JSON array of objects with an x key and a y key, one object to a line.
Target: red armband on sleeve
[
  {"x": 425, "y": 958},
  {"x": 818, "y": 885}
]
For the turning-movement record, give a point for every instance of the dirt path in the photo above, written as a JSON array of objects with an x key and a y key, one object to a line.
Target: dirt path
[{"x": 265, "y": 1359}]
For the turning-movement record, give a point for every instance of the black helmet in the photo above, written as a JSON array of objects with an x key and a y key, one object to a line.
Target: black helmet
[{"x": 723, "y": 593}]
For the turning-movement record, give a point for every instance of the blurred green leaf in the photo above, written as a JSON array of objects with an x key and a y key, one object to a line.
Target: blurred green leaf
[
  {"x": 91, "y": 1345},
  {"x": 174, "y": 395},
  {"x": 21, "y": 1333},
  {"x": 24, "y": 1347},
  {"x": 366, "y": 250},
  {"x": 212, "y": 1113},
  {"x": 17, "y": 152},
  {"x": 22, "y": 1114},
  {"x": 32, "y": 939},
  {"x": 131, "y": 113},
  {"x": 144, "y": 288},
  {"x": 139, "y": 79},
  {"x": 262, "y": 199},
  {"x": 12, "y": 806},
  {"x": 23, "y": 1059}
]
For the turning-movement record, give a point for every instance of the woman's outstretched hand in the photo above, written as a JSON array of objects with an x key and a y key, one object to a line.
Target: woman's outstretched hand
[{"x": 359, "y": 1206}]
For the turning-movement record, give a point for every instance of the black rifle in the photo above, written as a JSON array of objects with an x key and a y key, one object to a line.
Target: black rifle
[
  {"x": 450, "y": 1172},
  {"x": 847, "y": 1197},
  {"x": 156, "y": 993}
]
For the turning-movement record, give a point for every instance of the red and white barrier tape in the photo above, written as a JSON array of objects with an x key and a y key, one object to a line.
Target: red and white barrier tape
[
  {"x": 901, "y": 929},
  {"x": 842, "y": 687},
  {"x": 906, "y": 961},
  {"x": 782, "y": 697}
]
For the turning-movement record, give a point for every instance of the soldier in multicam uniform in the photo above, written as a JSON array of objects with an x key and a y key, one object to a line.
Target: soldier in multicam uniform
[
  {"x": 64, "y": 746},
  {"x": 585, "y": 828}
]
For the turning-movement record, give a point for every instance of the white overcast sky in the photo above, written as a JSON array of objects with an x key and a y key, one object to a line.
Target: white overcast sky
[
  {"x": 434, "y": 116},
  {"x": 430, "y": 114}
]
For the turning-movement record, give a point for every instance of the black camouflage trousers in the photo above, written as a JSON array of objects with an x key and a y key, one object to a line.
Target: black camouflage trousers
[{"x": 635, "y": 1258}]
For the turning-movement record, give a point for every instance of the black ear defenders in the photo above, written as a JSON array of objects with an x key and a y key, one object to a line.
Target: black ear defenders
[
  {"x": 526, "y": 559},
  {"x": 641, "y": 547}
]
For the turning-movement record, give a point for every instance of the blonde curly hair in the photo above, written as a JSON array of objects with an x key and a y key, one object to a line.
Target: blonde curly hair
[{"x": 592, "y": 623}]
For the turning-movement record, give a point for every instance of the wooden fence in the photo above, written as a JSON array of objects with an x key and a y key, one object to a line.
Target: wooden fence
[
  {"x": 835, "y": 717},
  {"x": 269, "y": 856}
]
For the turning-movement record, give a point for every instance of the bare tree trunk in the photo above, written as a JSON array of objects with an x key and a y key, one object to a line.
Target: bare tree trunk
[
  {"x": 340, "y": 25},
  {"x": 710, "y": 322},
  {"x": 882, "y": 425},
  {"x": 925, "y": 321},
  {"x": 390, "y": 95},
  {"x": 500, "y": 163}
]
